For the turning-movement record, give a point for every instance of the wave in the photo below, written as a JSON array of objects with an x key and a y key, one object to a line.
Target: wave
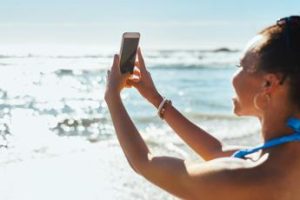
[
  {"x": 159, "y": 66},
  {"x": 220, "y": 49},
  {"x": 80, "y": 57},
  {"x": 185, "y": 66},
  {"x": 163, "y": 52},
  {"x": 212, "y": 116}
]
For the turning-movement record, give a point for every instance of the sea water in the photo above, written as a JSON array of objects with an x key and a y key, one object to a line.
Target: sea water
[{"x": 54, "y": 117}]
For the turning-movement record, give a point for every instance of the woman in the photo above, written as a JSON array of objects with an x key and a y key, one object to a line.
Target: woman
[{"x": 267, "y": 86}]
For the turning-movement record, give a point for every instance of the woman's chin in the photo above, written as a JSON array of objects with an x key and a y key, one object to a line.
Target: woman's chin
[
  {"x": 237, "y": 113},
  {"x": 236, "y": 107},
  {"x": 240, "y": 110}
]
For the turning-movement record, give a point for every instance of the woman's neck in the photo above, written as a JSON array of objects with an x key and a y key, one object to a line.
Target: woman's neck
[
  {"x": 273, "y": 128},
  {"x": 275, "y": 124}
]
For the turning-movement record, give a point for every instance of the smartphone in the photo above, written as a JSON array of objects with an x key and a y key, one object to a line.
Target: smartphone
[{"x": 129, "y": 45}]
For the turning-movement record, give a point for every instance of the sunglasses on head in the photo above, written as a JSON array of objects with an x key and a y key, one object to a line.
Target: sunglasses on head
[{"x": 289, "y": 22}]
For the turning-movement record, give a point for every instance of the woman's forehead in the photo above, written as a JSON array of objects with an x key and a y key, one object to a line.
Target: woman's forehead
[{"x": 250, "y": 61}]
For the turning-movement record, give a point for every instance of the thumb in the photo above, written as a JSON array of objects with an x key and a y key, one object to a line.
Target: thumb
[{"x": 116, "y": 61}]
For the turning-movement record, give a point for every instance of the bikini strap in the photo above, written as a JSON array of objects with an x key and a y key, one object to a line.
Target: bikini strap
[{"x": 293, "y": 123}]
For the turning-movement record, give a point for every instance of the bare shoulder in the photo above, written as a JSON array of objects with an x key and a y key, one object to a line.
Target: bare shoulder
[
  {"x": 230, "y": 177},
  {"x": 229, "y": 164}
]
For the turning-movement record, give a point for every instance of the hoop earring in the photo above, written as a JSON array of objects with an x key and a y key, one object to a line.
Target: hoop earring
[{"x": 261, "y": 101}]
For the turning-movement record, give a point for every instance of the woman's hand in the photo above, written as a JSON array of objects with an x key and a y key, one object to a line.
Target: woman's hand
[
  {"x": 116, "y": 81},
  {"x": 142, "y": 81}
]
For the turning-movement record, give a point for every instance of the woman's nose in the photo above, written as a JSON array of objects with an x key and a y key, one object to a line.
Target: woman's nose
[{"x": 235, "y": 77}]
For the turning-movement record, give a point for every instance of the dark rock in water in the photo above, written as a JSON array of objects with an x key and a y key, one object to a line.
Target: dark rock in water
[
  {"x": 224, "y": 49},
  {"x": 64, "y": 72}
]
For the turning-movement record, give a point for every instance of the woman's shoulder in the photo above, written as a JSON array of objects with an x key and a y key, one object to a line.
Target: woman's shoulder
[
  {"x": 232, "y": 163},
  {"x": 235, "y": 170},
  {"x": 235, "y": 177}
]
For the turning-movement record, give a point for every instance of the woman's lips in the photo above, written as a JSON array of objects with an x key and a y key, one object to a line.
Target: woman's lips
[{"x": 234, "y": 100}]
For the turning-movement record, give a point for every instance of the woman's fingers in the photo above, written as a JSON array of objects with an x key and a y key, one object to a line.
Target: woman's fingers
[
  {"x": 141, "y": 61},
  {"x": 136, "y": 75},
  {"x": 134, "y": 78},
  {"x": 136, "y": 71}
]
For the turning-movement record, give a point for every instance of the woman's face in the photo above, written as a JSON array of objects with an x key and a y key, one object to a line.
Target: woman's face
[{"x": 247, "y": 82}]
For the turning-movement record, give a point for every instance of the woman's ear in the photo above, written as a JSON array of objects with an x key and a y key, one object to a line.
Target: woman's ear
[{"x": 270, "y": 82}]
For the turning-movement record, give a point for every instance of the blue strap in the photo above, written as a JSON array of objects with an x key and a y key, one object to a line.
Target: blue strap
[{"x": 293, "y": 123}]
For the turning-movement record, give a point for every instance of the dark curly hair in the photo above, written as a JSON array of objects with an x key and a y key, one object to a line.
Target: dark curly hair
[{"x": 280, "y": 53}]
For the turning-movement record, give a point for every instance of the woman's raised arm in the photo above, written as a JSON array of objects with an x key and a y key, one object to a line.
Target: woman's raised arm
[{"x": 198, "y": 139}]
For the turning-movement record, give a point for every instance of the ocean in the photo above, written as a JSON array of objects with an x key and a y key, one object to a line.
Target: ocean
[{"x": 56, "y": 135}]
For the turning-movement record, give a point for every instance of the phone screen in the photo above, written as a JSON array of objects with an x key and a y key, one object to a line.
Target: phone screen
[{"x": 128, "y": 54}]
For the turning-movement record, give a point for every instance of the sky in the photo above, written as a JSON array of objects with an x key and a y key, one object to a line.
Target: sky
[{"x": 163, "y": 24}]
